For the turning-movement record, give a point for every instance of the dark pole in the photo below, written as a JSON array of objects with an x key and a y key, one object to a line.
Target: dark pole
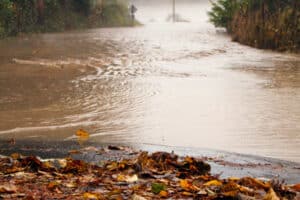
[{"x": 174, "y": 11}]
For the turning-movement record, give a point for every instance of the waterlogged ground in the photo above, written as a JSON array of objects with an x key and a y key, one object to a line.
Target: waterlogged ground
[{"x": 182, "y": 84}]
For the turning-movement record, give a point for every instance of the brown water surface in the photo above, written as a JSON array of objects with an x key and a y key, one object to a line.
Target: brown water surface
[{"x": 182, "y": 84}]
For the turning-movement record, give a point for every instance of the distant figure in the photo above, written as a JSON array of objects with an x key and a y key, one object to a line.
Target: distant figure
[{"x": 133, "y": 10}]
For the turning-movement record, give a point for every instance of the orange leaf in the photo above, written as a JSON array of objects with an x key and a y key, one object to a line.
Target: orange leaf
[
  {"x": 185, "y": 184},
  {"x": 82, "y": 133},
  {"x": 163, "y": 193},
  {"x": 52, "y": 185},
  {"x": 297, "y": 187}
]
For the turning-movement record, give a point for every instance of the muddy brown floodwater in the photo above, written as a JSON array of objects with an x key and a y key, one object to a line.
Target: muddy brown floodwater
[{"x": 182, "y": 84}]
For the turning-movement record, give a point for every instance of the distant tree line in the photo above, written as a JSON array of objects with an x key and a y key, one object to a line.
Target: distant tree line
[
  {"x": 273, "y": 24},
  {"x": 23, "y": 16}
]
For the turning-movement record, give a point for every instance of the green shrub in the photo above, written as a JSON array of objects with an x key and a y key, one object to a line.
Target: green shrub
[{"x": 222, "y": 12}]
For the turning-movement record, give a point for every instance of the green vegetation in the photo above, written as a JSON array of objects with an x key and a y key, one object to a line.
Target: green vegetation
[
  {"x": 20, "y": 16},
  {"x": 272, "y": 24}
]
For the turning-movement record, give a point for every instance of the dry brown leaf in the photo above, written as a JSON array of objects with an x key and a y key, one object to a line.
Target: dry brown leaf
[
  {"x": 271, "y": 195},
  {"x": 52, "y": 185},
  {"x": 262, "y": 184},
  {"x": 8, "y": 188}
]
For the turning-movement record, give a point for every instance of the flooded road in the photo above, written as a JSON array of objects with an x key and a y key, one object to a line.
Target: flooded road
[{"x": 182, "y": 84}]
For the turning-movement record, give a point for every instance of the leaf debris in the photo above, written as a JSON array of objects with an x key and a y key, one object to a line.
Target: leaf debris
[{"x": 159, "y": 175}]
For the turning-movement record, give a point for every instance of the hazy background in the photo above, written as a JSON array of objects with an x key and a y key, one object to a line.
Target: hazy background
[{"x": 157, "y": 11}]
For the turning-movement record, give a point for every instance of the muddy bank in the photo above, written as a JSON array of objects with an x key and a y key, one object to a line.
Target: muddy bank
[{"x": 222, "y": 163}]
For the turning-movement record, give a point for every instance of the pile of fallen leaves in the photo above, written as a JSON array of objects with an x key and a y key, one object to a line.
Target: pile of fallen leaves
[{"x": 143, "y": 176}]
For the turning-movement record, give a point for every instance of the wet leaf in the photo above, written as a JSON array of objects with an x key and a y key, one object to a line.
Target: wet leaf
[
  {"x": 115, "y": 148},
  {"x": 156, "y": 188}
]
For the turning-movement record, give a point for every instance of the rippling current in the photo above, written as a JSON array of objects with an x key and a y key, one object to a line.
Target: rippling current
[{"x": 182, "y": 84}]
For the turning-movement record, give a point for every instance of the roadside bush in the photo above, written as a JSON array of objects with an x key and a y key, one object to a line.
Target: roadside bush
[
  {"x": 272, "y": 24},
  {"x": 20, "y": 16}
]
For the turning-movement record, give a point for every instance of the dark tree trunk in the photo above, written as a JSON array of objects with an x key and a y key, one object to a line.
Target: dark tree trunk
[{"x": 40, "y": 5}]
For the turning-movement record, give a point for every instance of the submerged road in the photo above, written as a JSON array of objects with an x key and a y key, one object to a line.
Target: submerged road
[{"x": 182, "y": 84}]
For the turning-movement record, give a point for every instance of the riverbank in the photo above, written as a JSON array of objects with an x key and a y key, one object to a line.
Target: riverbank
[{"x": 123, "y": 173}]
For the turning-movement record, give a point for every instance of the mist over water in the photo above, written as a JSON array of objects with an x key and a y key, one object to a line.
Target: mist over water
[{"x": 177, "y": 84}]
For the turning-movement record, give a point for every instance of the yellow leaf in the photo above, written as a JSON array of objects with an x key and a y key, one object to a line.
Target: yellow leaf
[
  {"x": 88, "y": 195},
  {"x": 187, "y": 193},
  {"x": 233, "y": 178},
  {"x": 15, "y": 156},
  {"x": 213, "y": 183},
  {"x": 121, "y": 178}
]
